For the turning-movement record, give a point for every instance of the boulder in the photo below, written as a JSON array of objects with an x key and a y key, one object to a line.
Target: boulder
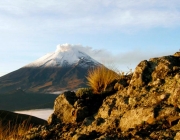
[
  {"x": 136, "y": 117},
  {"x": 63, "y": 107},
  {"x": 70, "y": 107},
  {"x": 177, "y": 137}
]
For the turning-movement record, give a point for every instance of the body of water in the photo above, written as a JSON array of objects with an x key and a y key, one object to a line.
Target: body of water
[{"x": 40, "y": 113}]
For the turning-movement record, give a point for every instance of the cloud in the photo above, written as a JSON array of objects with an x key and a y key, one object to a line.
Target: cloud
[
  {"x": 90, "y": 15},
  {"x": 88, "y": 50},
  {"x": 122, "y": 61}
]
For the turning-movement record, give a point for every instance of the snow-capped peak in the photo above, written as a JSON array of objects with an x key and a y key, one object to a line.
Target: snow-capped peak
[{"x": 65, "y": 55}]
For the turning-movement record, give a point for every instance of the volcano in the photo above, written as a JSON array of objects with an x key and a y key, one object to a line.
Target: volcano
[{"x": 64, "y": 69}]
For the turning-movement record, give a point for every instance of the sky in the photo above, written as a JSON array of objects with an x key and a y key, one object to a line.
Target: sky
[{"x": 115, "y": 32}]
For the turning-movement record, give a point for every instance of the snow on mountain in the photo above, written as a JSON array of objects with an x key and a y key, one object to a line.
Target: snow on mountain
[{"x": 65, "y": 55}]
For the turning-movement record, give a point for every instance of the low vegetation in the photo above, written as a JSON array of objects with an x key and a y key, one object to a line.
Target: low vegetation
[
  {"x": 102, "y": 80},
  {"x": 83, "y": 92},
  {"x": 13, "y": 126},
  {"x": 100, "y": 77},
  {"x": 14, "y": 131}
]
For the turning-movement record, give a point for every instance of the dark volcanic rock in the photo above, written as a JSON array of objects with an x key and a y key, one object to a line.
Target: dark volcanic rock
[
  {"x": 63, "y": 107},
  {"x": 73, "y": 108},
  {"x": 144, "y": 105}
]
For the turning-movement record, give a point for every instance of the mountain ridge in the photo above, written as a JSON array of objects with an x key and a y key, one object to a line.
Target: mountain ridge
[
  {"x": 65, "y": 55},
  {"x": 64, "y": 69}
]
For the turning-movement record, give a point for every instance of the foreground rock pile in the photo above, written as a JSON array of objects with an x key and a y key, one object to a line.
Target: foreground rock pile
[{"x": 144, "y": 105}]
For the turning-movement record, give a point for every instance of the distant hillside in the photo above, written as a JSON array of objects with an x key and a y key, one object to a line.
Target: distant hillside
[
  {"x": 19, "y": 100},
  {"x": 15, "y": 118}
]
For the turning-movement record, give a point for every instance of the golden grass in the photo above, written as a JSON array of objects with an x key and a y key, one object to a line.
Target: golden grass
[
  {"x": 100, "y": 77},
  {"x": 16, "y": 131},
  {"x": 42, "y": 86}
]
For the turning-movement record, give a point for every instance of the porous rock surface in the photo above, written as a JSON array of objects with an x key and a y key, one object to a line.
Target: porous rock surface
[{"x": 146, "y": 107}]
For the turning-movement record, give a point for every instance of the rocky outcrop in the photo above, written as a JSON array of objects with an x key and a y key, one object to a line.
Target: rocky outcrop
[
  {"x": 143, "y": 105},
  {"x": 71, "y": 107}
]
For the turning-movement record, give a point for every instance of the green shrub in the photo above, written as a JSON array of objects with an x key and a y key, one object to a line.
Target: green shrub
[{"x": 83, "y": 92}]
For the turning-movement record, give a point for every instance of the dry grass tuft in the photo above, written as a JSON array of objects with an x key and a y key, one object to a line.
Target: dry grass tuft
[
  {"x": 100, "y": 77},
  {"x": 14, "y": 131}
]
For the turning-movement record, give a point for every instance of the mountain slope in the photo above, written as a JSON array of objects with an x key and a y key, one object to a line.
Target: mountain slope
[{"x": 66, "y": 68}]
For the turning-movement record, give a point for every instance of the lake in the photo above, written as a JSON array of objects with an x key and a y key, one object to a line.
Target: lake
[{"x": 40, "y": 113}]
